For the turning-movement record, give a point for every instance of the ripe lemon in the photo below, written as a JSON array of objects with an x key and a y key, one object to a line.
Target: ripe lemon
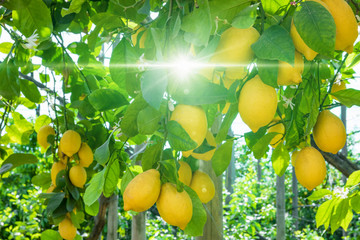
[
  {"x": 185, "y": 173},
  {"x": 235, "y": 48},
  {"x": 70, "y": 143},
  {"x": 134, "y": 37},
  {"x": 257, "y": 103},
  {"x": 86, "y": 155},
  {"x": 338, "y": 87},
  {"x": 294, "y": 156},
  {"x": 204, "y": 187},
  {"x": 209, "y": 154},
  {"x": 43, "y": 134},
  {"x": 346, "y": 24},
  {"x": 310, "y": 168},
  {"x": 193, "y": 121},
  {"x": 174, "y": 207},
  {"x": 289, "y": 75},
  {"x": 51, "y": 188},
  {"x": 67, "y": 229},
  {"x": 142, "y": 191},
  {"x": 329, "y": 132},
  {"x": 278, "y": 128},
  {"x": 187, "y": 153},
  {"x": 55, "y": 169},
  {"x": 77, "y": 176}
]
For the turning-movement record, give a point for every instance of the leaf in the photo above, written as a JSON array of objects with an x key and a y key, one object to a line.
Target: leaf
[
  {"x": 40, "y": 121},
  {"x": 128, "y": 176},
  {"x": 316, "y": 27},
  {"x": 268, "y": 71},
  {"x": 30, "y": 91},
  {"x": 197, "y": 91},
  {"x": 42, "y": 180},
  {"x": 148, "y": 120},
  {"x": 280, "y": 159},
  {"x": 17, "y": 159},
  {"x": 318, "y": 194},
  {"x": 348, "y": 97},
  {"x": 75, "y": 7},
  {"x": 246, "y": 17},
  {"x": 9, "y": 84},
  {"x": 5, "y": 47},
  {"x": 32, "y": 15},
  {"x": 151, "y": 156},
  {"x": 93, "y": 209},
  {"x": 178, "y": 138},
  {"x": 324, "y": 213},
  {"x": 197, "y": 25},
  {"x": 54, "y": 202},
  {"x": 153, "y": 86},
  {"x": 94, "y": 190},
  {"x": 50, "y": 234},
  {"x": 353, "y": 179},
  {"x": 106, "y": 99},
  {"x": 355, "y": 203},
  {"x": 169, "y": 171},
  {"x": 341, "y": 215},
  {"x": 262, "y": 146},
  {"x": 226, "y": 123},
  {"x": 273, "y": 6},
  {"x": 196, "y": 225},
  {"x": 145, "y": 9},
  {"x": 112, "y": 175},
  {"x": 222, "y": 157},
  {"x": 129, "y": 123},
  {"x": 102, "y": 153},
  {"x": 275, "y": 44},
  {"x": 175, "y": 28}
]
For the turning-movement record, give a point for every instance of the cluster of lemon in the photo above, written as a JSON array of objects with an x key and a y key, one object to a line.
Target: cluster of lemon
[{"x": 70, "y": 144}]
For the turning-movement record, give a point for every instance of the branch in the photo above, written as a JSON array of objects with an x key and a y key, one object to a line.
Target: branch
[
  {"x": 99, "y": 219},
  {"x": 339, "y": 161}
]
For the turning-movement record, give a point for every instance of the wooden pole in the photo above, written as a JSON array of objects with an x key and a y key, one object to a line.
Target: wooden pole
[
  {"x": 112, "y": 219},
  {"x": 230, "y": 174},
  {"x": 280, "y": 207},
  {"x": 295, "y": 204}
]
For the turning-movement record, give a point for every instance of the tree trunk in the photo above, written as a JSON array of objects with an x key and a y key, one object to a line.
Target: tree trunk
[
  {"x": 138, "y": 227},
  {"x": 280, "y": 207},
  {"x": 112, "y": 220},
  {"x": 295, "y": 205},
  {"x": 99, "y": 219}
]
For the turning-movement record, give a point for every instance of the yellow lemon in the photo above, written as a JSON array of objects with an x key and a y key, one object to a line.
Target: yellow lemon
[
  {"x": 185, "y": 173},
  {"x": 55, "y": 169},
  {"x": 67, "y": 229},
  {"x": 338, "y": 87},
  {"x": 278, "y": 128},
  {"x": 43, "y": 134},
  {"x": 209, "y": 154},
  {"x": 193, "y": 120},
  {"x": 187, "y": 153},
  {"x": 310, "y": 168},
  {"x": 235, "y": 48},
  {"x": 77, "y": 176},
  {"x": 70, "y": 143},
  {"x": 174, "y": 207},
  {"x": 204, "y": 187},
  {"x": 329, "y": 132},
  {"x": 289, "y": 75},
  {"x": 346, "y": 24},
  {"x": 257, "y": 103},
  {"x": 134, "y": 37},
  {"x": 51, "y": 188},
  {"x": 86, "y": 155},
  {"x": 294, "y": 157},
  {"x": 142, "y": 191}
]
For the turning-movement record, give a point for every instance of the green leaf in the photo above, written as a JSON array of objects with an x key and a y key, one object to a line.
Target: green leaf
[
  {"x": 30, "y": 91},
  {"x": 348, "y": 97},
  {"x": 226, "y": 123},
  {"x": 75, "y": 7},
  {"x": 129, "y": 123},
  {"x": 316, "y": 27},
  {"x": 318, "y": 194},
  {"x": 145, "y": 9},
  {"x": 196, "y": 225},
  {"x": 93, "y": 209},
  {"x": 275, "y": 44},
  {"x": 153, "y": 86},
  {"x": 9, "y": 84},
  {"x": 353, "y": 179},
  {"x": 341, "y": 216},
  {"x": 31, "y": 15},
  {"x": 262, "y": 146},
  {"x": 106, "y": 99},
  {"x": 197, "y": 25},
  {"x": 148, "y": 120},
  {"x": 102, "y": 153},
  {"x": 94, "y": 190},
  {"x": 42, "y": 180},
  {"x": 55, "y": 201},
  {"x": 273, "y": 6},
  {"x": 222, "y": 157},
  {"x": 268, "y": 71},
  {"x": 355, "y": 203},
  {"x": 151, "y": 156},
  {"x": 128, "y": 176},
  {"x": 280, "y": 159},
  {"x": 5, "y": 47},
  {"x": 169, "y": 171},
  {"x": 197, "y": 91},
  {"x": 40, "y": 121},
  {"x": 178, "y": 138},
  {"x": 17, "y": 159},
  {"x": 246, "y": 17},
  {"x": 176, "y": 27},
  {"x": 50, "y": 234},
  {"x": 112, "y": 175},
  {"x": 324, "y": 213}
]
